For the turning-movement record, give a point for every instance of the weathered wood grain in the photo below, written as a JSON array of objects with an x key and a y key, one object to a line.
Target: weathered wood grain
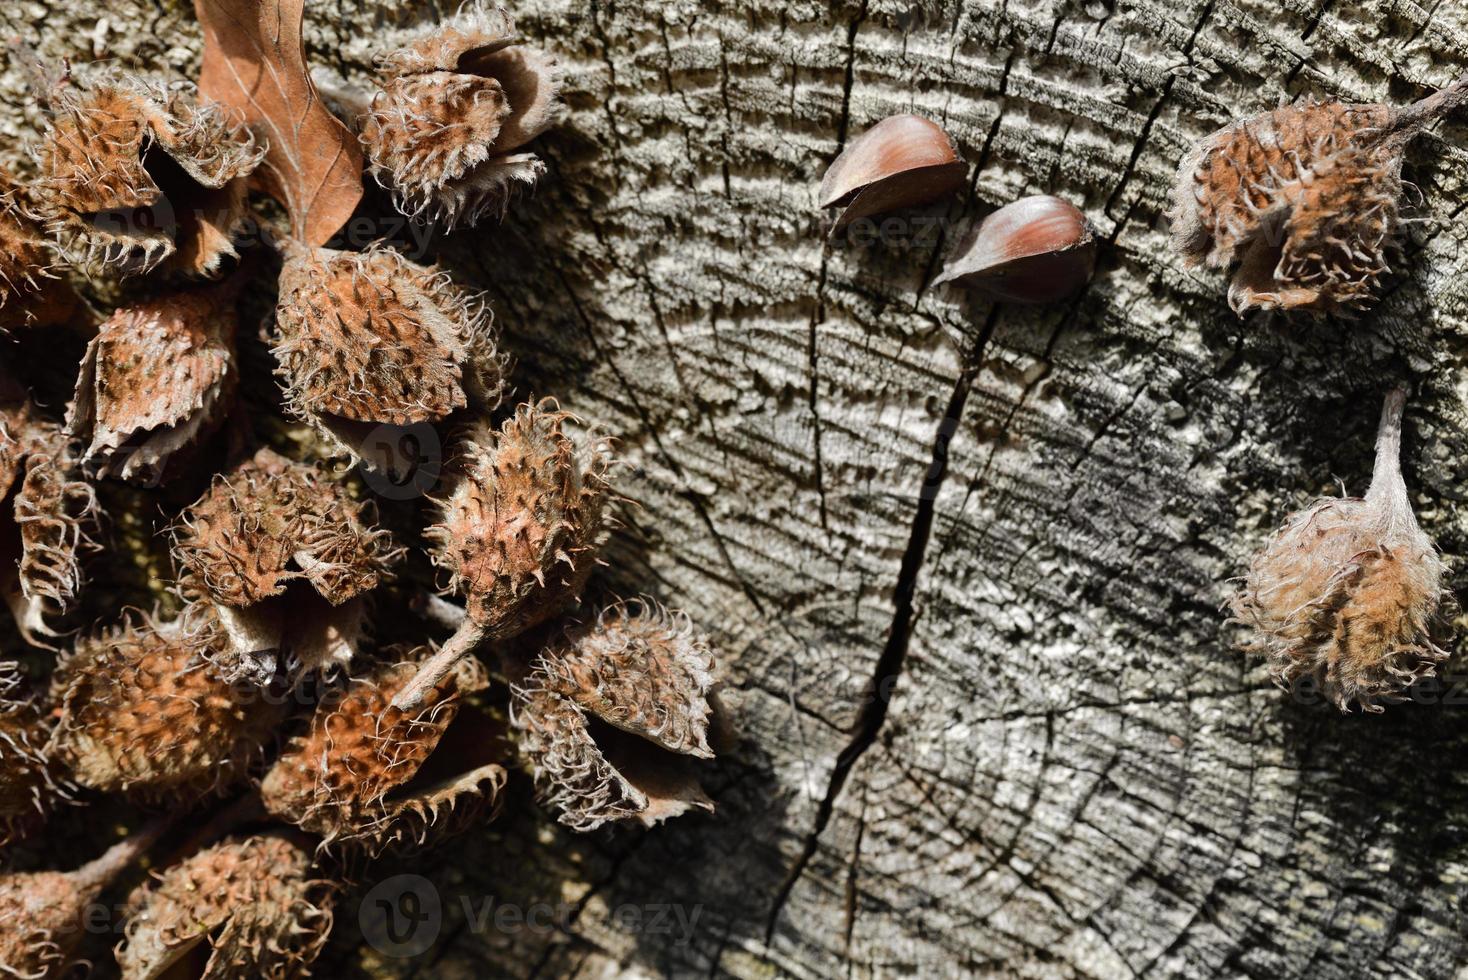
[{"x": 964, "y": 564}]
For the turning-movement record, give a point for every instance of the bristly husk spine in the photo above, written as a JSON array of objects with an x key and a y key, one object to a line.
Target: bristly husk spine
[{"x": 1348, "y": 593}]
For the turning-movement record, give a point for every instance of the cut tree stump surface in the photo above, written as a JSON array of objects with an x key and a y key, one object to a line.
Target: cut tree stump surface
[{"x": 963, "y": 565}]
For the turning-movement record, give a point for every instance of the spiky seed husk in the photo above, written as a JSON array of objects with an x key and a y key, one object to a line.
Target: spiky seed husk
[
  {"x": 518, "y": 531},
  {"x": 522, "y": 519},
  {"x": 454, "y": 107},
  {"x": 368, "y": 775},
  {"x": 1304, "y": 200},
  {"x": 605, "y": 721},
  {"x": 31, "y": 291},
  {"x": 156, "y": 379},
  {"x": 145, "y": 711},
  {"x": 45, "y": 511},
  {"x": 367, "y": 339},
  {"x": 246, "y": 907},
  {"x": 273, "y": 522},
  {"x": 29, "y": 782},
  {"x": 1348, "y": 593},
  {"x": 642, "y": 668},
  {"x": 45, "y": 913},
  {"x": 136, "y": 173}
]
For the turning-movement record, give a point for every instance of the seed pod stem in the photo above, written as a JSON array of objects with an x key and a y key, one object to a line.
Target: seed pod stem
[
  {"x": 1387, "y": 488},
  {"x": 1410, "y": 119},
  {"x": 98, "y": 873},
  {"x": 462, "y": 644}
]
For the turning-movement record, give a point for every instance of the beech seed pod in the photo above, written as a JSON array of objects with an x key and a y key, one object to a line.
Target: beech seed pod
[
  {"x": 45, "y": 510},
  {"x": 1033, "y": 250},
  {"x": 286, "y": 559},
  {"x": 29, "y": 782},
  {"x": 1349, "y": 591},
  {"x": 157, "y": 379},
  {"x": 605, "y": 722},
  {"x": 1303, "y": 201},
  {"x": 902, "y": 161},
  {"x": 31, "y": 292},
  {"x": 45, "y": 912},
  {"x": 136, "y": 173},
  {"x": 144, "y": 711},
  {"x": 370, "y": 775},
  {"x": 518, "y": 530},
  {"x": 367, "y": 339},
  {"x": 454, "y": 107},
  {"x": 246, "y": 907}
]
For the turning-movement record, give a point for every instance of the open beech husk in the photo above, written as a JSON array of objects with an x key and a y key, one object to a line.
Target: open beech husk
[
  {"x": 286, "y": 558},
  {"x": 45, "y": 511},
  {"x": 156, "y": 380},
  {"x": 136, "y": 173},
  {"x": 902, "y": 161},
  {"x": 29, "y": 781},
  {"x": 606, "y": 721},
  {"x": 369, "y": 775},
  {"x": 46, "y": 913},
  {"x": 368, "y": 340},
  {"x": 1349, "y": 592},
  {"x": 519, "y": 529},
  {"x": 1033, "y": 250},
  {"x": 32, "y": 294},
  {"x": 145, "y": 711},
  {"x": 455, "y": 108},
  {"x": 246, "y": 907},
  {"x": 1303, "y": 201}
]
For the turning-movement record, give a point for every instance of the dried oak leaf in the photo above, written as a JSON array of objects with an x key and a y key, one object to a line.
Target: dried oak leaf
[
  {"x": 372, "y": 776},
  {"x": 45, "y": 510},
  {"x": 145, "y": 711},
  {"x": 1304, "y": 201},
  {"x": 454, "y": 108},
  {"x": 269, "y": 525},
  {"x": 366, "y": 340},
  {"x": 255, "y": 64},
  {"x": 518, "y": 530},
  {"x": 246, "y": 907},
  {"x": 1348, "y": 593},
  {"x": 156, "y": 380},
  {"x": 31, "y": 292},
  {"x": 605, "y": 721},
  {"x": 136, "y": 173}
]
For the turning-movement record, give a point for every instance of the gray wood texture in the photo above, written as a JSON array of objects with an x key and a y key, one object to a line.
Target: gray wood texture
[{"x": 964, "y": 565}]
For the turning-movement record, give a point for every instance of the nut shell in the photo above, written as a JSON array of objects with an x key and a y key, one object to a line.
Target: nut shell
[
  {"x": 1033, "y": 250},
  {"x": 156, "y": 379},
  {"x": 251, "y": 905},
  {"x": 136, "y": 173},
  {"x": 368, "y": 775},
  {"x": 902, "y": 161},
  {"x": 522, "y": 519},
  {"x": 607, "y": 721},
  {"x": 144, "y": 711},
  {"x": 367, "y": 339},
  {"x": 454, "y": 106}
]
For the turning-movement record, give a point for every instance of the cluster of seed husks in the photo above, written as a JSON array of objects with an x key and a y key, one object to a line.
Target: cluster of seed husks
[{"x": 259, "y": 689}]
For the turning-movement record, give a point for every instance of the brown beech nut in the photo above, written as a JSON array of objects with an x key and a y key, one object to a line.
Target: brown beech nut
[
  {"x": 29, "y": 780},
  {"x": 1033, "y": 250},
  {"x": 901, "y": 162}
]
